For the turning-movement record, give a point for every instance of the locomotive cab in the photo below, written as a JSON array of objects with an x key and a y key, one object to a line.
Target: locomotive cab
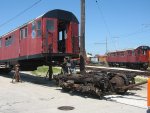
[{"x": 142, "y": 56}]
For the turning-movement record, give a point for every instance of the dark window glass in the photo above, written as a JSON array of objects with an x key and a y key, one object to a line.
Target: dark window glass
[
  {"x": 8, "y": 40},
  {"x": 0, "y": 42},
  {"x": 144, "y": 52},
  {"x": 23, "y": 33},
  {"x": 50, "y": 25},
  {"x": 133, "y": 53},
  {"x": 138, "y": 51},
  {"x": 129, "y": 52},
  {"x": 26, "y": 32},
  {"x": 33, "y": 26},
  {"x": 39, "y": 29},
  {"x": 33, "y": 30},
  {"x": 39, "y": 25}
]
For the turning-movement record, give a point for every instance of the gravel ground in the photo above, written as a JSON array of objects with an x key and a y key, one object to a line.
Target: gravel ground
[{"x": 37, "y": 95}]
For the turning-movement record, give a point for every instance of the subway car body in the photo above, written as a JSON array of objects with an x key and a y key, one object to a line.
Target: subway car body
[
  {"x": 138, "y": 58},
  {"x": 50, "y": 37}
]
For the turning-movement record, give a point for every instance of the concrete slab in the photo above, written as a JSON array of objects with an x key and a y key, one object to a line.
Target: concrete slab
[{"x": 31, "y": 97}]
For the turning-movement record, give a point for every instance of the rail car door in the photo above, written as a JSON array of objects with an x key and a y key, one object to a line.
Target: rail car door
[
  {"x": 63, "y": 36},
  {"x": 50, "y": 35},
  {"x": 24, "y": 41},
  {"x": 67, "y": 37}
]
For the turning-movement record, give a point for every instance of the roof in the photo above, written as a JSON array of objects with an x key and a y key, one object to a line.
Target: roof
[
  {"x": 57, "y": 13},
  {"x": 130, "y": 49},
  {"x": 140, "y": 47},
  {"x": 62, "y": 15}
]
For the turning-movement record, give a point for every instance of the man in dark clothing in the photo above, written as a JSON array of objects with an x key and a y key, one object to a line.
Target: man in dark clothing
[
  {"x": 68, "y": 66},
  {"x": 64, "y": 66},
  {"x": 73, "y": 66}
]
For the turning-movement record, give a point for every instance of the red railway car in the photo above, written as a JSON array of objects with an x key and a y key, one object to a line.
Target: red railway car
[
  {"x": 138, "y": 58},
  {"x": 51, "y": 36}
]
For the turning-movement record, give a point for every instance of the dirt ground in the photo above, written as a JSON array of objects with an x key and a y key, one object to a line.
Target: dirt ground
[{"x": 38, "y": 95}]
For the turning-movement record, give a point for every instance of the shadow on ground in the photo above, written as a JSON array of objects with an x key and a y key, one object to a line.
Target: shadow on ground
[
  {"x": 31, "y": 79},
  {"x": 45, "y": 82}
]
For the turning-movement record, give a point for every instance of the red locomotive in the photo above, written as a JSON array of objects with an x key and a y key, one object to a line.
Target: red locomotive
[
  {"x": 51, "y": 36},
  {"x": 135, "y": 58}
]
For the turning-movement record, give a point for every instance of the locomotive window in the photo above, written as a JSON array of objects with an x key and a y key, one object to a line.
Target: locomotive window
[
  {"x": 50, "y": 25},
  {"x": 144, "y": 52},
  {"x": 38, "y": 28},
  {"x": 133, "y": 53},
  {"x": 129, "y": 52}
]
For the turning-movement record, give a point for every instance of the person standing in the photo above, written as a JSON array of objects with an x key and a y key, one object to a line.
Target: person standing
[{"x": 64, "y": 66}]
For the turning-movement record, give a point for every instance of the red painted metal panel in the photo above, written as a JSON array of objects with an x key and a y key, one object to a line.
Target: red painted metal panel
[
  {"x": 32, "y": 44},
  {"x": 11, "y": 51},
  {"x": 75, "y": 40},
  {"x": 50, "y": 37},
  {"x": 69, "y": 38},
  {"x": 34, "y": 41},
  {"x": 129, "y": 57}
]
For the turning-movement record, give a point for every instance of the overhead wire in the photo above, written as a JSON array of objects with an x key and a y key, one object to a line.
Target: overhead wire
[
  {"x": 19, "y": 14},
  {"x": 105, "y": 24},
  {"x": 124, "y": 35},
  {"x": 135, "y": 33},
  {"x": 102, "y": 15}
]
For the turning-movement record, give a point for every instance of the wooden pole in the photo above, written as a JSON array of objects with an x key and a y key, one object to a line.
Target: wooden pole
[{"x": 82, "y": 38}]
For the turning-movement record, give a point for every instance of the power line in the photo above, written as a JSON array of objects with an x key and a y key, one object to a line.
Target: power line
[
  {"x": 135, "y": 33},
  {"x": 104, "y": 20},
  {"x": 19, "y": 14}
]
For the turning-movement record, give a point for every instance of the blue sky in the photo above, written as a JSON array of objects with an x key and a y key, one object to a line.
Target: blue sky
[{"x": 125, "y": 23}]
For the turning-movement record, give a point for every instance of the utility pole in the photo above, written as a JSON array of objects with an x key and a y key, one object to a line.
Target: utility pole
[{"x": 82, "y": 38}]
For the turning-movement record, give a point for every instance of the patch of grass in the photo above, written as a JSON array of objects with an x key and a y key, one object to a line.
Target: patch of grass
[
  {"x": 139, "y": 79},
  {"x": 42, "y": 70}
]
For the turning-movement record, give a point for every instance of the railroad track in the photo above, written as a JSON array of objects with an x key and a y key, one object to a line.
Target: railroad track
[{"x": 118, "y": 70}]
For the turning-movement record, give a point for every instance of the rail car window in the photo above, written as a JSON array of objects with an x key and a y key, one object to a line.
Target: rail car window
[
  {"x": 133, "y": 53},
  {"x": 33, "y": 30},
  {"x": 121, "y": 54},
  {"x": 50, "y": 25},
  {"x": 129, "y": 53},
  {"x": 0, "y": 42},
  {"x": 39, "y": 29},
  {"x": 8, "y": 40},
  {"x": 23, "y": 33},
  {"x": 26, "y": 32}
]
